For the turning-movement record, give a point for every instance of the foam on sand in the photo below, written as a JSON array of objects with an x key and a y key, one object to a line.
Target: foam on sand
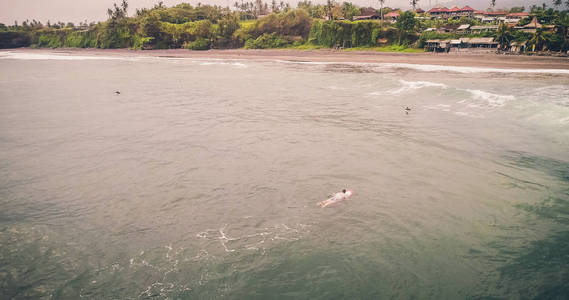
[
  {"x": 222, "y": 62},
  {"x": 380, "y": 66},
  {"x": 458, "y": 69},
  {"x": 51, "y": 56},
  {"x": 432, "y": 68}
]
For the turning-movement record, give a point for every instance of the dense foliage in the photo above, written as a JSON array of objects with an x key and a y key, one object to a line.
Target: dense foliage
[
  {"x": 261, "y": 25},
  {"x": 342, "y": 33}
]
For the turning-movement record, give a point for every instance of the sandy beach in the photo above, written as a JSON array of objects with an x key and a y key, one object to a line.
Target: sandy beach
[{"x": 327, "y": 55}]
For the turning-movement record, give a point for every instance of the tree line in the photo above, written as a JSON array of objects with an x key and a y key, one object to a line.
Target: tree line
[
  {"x": 258, "y": 24},
  {"x": 203, "y": 27}
]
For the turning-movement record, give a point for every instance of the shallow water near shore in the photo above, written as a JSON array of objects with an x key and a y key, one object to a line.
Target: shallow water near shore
[{"x": 200, "y": 180}]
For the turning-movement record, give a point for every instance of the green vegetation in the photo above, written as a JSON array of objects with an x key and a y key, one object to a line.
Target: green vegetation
[
  {"x": 307, "y": 47},
  {"x": 258, "y": 25},
  {"x": 266, "y": 40},
  {"x": 344, "y": 33},
  {"x": 14, "y": 39},
  {"x": 390, "y": 48}
]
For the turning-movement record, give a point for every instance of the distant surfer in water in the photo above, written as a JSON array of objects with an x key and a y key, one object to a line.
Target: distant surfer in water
[
  {"x": 117, "y": 92},
  {"x": 343, "y": 195},
  {"x": 407, "y": 110}
]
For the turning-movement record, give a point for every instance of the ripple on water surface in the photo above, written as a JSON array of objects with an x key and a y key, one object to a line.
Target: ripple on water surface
[{"x": 200, "y": 180}]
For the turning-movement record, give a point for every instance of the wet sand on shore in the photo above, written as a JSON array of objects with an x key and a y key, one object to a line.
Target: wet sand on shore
[{"x": 464, "y": 59}]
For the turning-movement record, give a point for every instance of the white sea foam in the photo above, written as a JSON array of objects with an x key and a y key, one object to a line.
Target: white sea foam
[
  {"x": 226, "y": 63},
  {"x": 435, "y": 68},
  {"x": 441, "y": 107},
  {"x": 459, "y": 69},
  {"x": 63, "y": 56},
  {"x": 483, "y": 98},
  {"x": 333, "y": 87},
  {"x": 418, "y": 67},
  {"x": 259, "y": 240},
  {"x": 410, "y": 86},
  {"x": 558, "y": 94},
  {"x": 422, "y": 84},
  {"x": 51, "y": 56},
  {"x": 466, "y": 114},
  {"x": 429, "y": 68}
]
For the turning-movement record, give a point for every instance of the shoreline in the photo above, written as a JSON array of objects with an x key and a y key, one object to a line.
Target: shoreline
[{"x": 476, "y": 60}]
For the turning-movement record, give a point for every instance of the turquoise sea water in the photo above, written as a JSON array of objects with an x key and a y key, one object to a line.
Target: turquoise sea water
[{"x": 200, "y": 180}]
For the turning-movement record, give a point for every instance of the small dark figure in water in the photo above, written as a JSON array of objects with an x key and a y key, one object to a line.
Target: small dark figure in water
[
  {"x": 117, "y": 92},
  {"x": 407, "y": 110}
]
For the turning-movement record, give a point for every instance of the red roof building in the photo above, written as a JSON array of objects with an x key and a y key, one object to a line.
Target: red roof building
[
  {"x": 454, "y": 9},
  {"x": 455, "y": 12},
  {"x": 495, "y": 13},
  {"x": 520, "y": 14},
  {"x": 391, "y": 16}
]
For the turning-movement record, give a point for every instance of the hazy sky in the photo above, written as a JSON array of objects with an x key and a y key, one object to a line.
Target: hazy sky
[{"x": 95, "y": 10}]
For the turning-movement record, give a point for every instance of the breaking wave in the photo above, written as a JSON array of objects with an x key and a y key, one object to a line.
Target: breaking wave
[
  {"x": 52, "y": 56},
  {"x": 411, "y": 85},
  {"x": 557, "y": 94},
  {"x": 457, "y": 69},
  {"x": 489, "y": 99},
  {"x": 225, "y": 63},
  {"x": 432, "y": 68}
]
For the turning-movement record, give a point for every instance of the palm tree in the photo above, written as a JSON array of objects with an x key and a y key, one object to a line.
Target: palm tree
[
  {"x": 381, "y": 2},
  {"x": 413, "y": 3},
  {"x": 124, "y": 6},
  {"x": 492, "y": 3},
  {"x": 538, "y": 39},
  {"x": 503, "y": 35},
  {"x": 562, "y": 29}
]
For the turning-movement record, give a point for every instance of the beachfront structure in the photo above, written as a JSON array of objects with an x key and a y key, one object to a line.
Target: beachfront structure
[
  {"x": 437, "y": 45},
  {"x": 483, "y": 28},
  {"x": 478, "y": 14},
  {"x": 479, "y": 42},
  {"x": 468, "y": 44},
  {"x": 533, "y": 26},
  {"x": 464, "y": 28},
  {"x": 518, "y": 47},
  {"x": 494, "y": 16},
  {"x": 367, "y": 13},
  {"x": 455, "y": 12},
  {"x": 374, "y": 16},
  {"x": 391, "y": 16},
  {"x": 514, "y": 18},
  {"x": 497, "y": 16}
]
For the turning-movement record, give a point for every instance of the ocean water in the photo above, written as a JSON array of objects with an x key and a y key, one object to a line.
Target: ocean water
[{"x": 200, "y": 180}]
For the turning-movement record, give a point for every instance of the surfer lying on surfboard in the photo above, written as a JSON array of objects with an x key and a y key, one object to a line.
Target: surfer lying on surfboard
[{"x": 343, "y": 195}]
